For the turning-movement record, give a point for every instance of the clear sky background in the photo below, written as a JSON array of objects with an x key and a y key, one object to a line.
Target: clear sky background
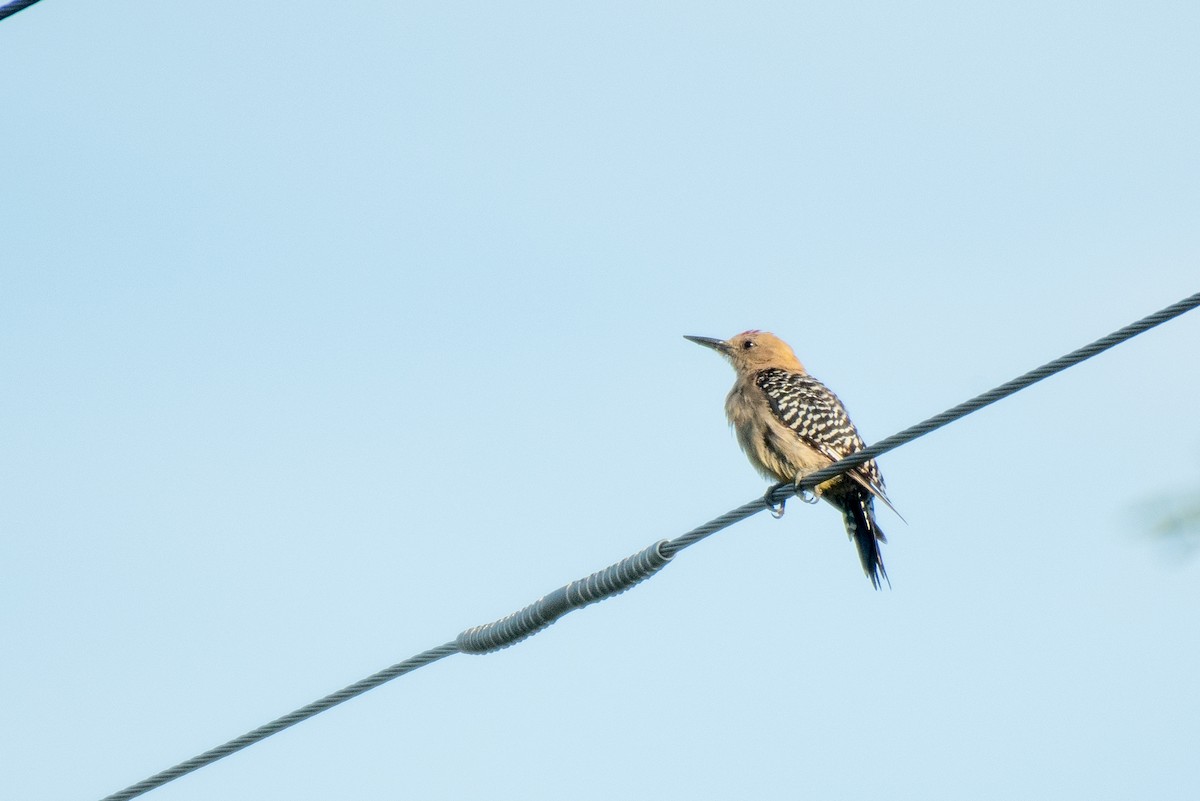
[{"x": 330, "y": 330}]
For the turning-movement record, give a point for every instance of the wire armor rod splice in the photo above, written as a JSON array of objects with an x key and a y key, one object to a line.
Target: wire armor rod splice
[
  {"x": 621, "y": 576},
  {"x": 612, "y": 580}
]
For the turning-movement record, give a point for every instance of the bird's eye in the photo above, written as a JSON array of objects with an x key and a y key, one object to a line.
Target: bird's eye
[{"x": 748, "y": 344}]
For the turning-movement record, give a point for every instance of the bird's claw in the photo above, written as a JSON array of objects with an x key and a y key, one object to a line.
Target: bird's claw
[{"x": 776, "y": 509}]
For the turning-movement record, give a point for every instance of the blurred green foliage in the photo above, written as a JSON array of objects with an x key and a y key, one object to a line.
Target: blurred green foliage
[{"x": 1175, "y": 522}]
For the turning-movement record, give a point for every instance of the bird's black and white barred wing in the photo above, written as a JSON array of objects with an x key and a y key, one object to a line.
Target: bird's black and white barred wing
[{"x": 809, "y": 408}]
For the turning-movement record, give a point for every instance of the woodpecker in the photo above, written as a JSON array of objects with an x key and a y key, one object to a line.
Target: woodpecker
[{"x": 790, "y": 424}]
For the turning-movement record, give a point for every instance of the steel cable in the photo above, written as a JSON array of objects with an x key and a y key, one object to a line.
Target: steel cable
[
  {"x": 279, "y": 724},
  {"x": 784, "y": 491},
  {"x": 8, "y": 9},
  {"x": 626, "y": 573}
]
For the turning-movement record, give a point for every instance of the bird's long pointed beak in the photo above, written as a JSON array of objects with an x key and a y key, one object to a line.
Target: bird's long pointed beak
[{"x": 719, "y": 345}]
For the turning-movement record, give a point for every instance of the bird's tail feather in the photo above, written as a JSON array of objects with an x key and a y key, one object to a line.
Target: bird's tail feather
[{"x": 859, "y": 510}]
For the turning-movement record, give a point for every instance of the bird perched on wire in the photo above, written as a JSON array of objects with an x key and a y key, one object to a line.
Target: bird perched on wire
[{"x": 790, "y": 424}]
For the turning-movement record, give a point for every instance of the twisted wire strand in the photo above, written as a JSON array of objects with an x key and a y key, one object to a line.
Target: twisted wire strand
[
  {"x": 1003, "y": 391},
  {"x": 787, "y": 490},
  {"x": 279, "y": 724},
  {"x": 8, "y": 9},
  {"x": 622, "y": 575},
  {"x": 612, "y": 580}
]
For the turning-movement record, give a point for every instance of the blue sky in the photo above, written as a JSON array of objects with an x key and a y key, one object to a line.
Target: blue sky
[{"x": 328, "y": 332}]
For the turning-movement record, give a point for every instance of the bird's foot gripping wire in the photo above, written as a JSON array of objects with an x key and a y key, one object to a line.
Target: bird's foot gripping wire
[
  {"x": 776, "y": 509},
  {"x": 807, "y": 495}
]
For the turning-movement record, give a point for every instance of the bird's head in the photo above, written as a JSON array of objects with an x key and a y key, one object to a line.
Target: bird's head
[{"x": 753, "y": 350}]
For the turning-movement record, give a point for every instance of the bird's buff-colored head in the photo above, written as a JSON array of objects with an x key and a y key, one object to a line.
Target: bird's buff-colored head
[{"x": 753, "y": 350}]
